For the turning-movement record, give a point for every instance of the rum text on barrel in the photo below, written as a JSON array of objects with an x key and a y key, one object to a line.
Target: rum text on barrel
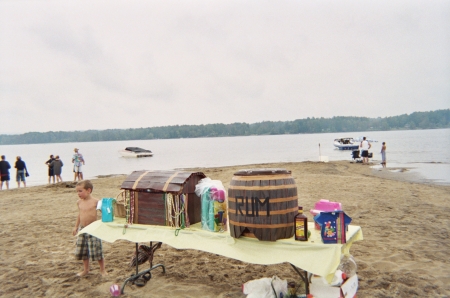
[{"x": 254, "y": 203}]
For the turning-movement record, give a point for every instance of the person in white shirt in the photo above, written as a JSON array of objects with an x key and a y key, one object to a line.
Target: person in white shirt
[
  {"x": 365, "y": 146},
  {"x": 78, "y": 161}
]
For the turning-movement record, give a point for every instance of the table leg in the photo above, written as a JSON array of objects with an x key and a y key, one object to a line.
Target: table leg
[
  {"x": 138, "y": 274},
  {"x": 304, "y": 275}
]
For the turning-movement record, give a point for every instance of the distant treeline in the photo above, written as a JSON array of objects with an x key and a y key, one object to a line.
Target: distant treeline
[{"x": 416, "y": 120}]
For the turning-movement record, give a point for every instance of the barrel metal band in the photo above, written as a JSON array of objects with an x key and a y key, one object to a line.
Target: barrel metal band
[
  {"x": 232, "y": 212},
  {"x": 265, "y": 226},
  {"x": 277, "y": 200},
  {"x": 268, "y": 187},
  {"x": 169, "y": 180},
  {"x": 262, "y": 177},
  {"x": 139, "y": 179}
]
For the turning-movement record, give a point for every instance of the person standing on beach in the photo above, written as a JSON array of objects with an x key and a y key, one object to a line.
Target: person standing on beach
[
  {"x": 57, "y": 165},
  {"x": 77, "y": 160},
  {"x": 21, "y": 171},
  {"x": 4, "y": 172},
  {"x": 383, "y": 154},
  {"x": 365, "y": 146},
  {"x": 51, "y": 175},
  {"x": 88, "y": 246}
]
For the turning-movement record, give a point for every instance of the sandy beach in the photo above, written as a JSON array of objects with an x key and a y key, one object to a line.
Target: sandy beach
[{"x": 405, "y": 251}]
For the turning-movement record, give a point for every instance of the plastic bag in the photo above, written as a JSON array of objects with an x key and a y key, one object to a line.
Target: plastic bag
[
  {"x": 213, "y": 204},
  {"x": 262, "y": 288}
]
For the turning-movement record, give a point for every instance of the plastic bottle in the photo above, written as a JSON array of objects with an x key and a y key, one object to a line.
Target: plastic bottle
[
  {"x": 301, "y": 226},
  {"x": 348, "y": 265}
]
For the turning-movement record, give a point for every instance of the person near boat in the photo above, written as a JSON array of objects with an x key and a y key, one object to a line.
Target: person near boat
[{"x": 365, "y": 146}]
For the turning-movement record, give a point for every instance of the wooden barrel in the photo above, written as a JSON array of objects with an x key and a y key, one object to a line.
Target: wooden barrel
[{"x": 262, "y": 202}]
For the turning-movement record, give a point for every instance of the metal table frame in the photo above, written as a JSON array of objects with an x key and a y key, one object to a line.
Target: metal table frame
[
  {"x": 302, "y": 273},
  {"x": 304, "y": 276},
  {"x": 138, "y": 274}
]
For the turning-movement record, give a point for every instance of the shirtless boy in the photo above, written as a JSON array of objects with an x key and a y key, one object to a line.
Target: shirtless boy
[{"x": 88, "y": 246}]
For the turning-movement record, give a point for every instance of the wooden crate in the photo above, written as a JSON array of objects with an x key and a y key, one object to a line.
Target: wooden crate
[
  {"x": 151, "y": 209},
  {"x": 152, "y": 188}
]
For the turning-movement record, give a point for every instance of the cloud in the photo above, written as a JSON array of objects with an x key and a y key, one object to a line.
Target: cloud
[{"x": 154, "y": 63}]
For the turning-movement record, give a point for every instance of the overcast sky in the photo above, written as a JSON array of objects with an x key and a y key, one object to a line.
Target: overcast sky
[{"x": 79, "y": 65}]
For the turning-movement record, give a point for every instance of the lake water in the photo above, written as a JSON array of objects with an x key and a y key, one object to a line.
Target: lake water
[{"x": 423, "y": 151}]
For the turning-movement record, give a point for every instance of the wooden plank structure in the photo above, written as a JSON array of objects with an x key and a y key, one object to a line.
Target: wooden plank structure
[
  {"x": 262, "y": 203},
  {"x": 162, "y": 197}
]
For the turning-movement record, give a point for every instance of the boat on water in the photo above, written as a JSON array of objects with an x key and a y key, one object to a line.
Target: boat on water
[
  {"x": 346, "y": 144},
  {"x": 135, "y": 152},
  {"x": 360, "y": 139}
]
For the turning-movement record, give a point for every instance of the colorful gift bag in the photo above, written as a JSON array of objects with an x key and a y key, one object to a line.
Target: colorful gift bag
[
  {"x": 333, "y": 226},
  {"x": 220, "y": 216},
  {"x": 213, "y": 205}
]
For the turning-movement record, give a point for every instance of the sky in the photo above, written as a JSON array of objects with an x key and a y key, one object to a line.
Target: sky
[{"x": 90, "y": 64}]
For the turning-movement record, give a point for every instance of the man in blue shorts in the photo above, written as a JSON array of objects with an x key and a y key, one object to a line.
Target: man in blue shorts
[{"x": 21, "y": 171}]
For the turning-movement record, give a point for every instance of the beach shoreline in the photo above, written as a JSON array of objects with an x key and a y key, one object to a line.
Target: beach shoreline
[{"x": 404, "y": 252}]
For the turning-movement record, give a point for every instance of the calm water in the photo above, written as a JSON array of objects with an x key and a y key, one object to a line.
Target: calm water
[{"x": 422, "y": 151}]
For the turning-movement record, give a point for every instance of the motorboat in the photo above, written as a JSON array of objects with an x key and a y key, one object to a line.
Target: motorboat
[
  {"x": 360, "y": 139},
  {"x": 346, "y": 144},
  {"x": 135, "y": 152}
]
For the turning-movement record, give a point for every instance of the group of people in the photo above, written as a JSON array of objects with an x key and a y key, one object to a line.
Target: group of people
[
  {"x": 54, "y": 168},
  {"x": 54, "y": 164},
  {"x": 21, "y": 172},
  {"x": 365, "y": 146}
]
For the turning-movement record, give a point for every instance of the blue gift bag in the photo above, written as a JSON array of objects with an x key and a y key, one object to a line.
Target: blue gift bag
[{"x": 108, "y": 209}]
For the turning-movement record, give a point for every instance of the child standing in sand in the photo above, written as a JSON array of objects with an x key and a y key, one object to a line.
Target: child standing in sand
[{"x": 88, "y": 246}]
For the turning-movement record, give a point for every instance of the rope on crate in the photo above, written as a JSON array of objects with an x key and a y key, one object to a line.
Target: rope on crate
[
  {"x": 178, "y": 210},
  {"x": 169, "y": 203},
  {"x": 132, "y": 201},
  {"x": 186, "y": 216},
  {"x": 127, "y": 205},
  {"x": 165, "y": 206},
  {"x": 175, "y": 212}
]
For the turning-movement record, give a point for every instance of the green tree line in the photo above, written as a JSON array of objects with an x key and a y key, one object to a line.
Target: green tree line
[{"x": 416, "y": 120}]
